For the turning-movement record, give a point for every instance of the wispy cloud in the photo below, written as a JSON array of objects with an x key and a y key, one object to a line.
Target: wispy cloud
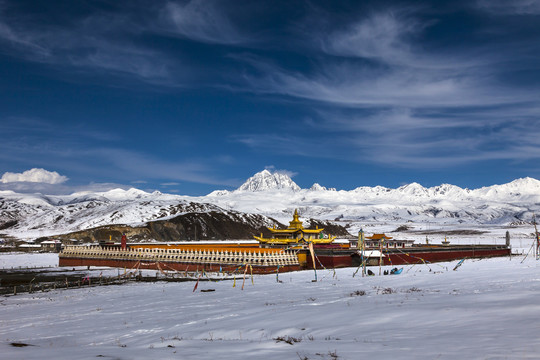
[
  {"x": 415, "y": 139},
  {"x": 133, "y": 42},
  {"x": 24, "y": 42},
  {"x": 384, "y": 36},
  {"x": 404, "y": 139},
  {"x": 170, "y": 184},
  {"x": 396, "y": 102},
  {"x": 98, "y": 41},
  {"x": 346, "y": 83},
  {"x": 382, "y": 61},
  {"x": 293, "y": 144},
  {"x": 139, "y": 182},
  {"x": 204, "y": 21},
  {"x": 515, "y": 7}
]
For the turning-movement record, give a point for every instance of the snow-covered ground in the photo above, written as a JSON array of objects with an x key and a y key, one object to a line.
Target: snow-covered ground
[
  {"x": 16, "y": 260},
  {"x": 487, "y": 309}
]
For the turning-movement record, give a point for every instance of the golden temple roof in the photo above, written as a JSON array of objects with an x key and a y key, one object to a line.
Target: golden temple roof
[
  {"x": 294, "y": 226},
  {"x": 295, "y": 233}
]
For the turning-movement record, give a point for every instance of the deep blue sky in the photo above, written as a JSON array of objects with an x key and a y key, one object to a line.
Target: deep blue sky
[{"x": 193, "y": 96}]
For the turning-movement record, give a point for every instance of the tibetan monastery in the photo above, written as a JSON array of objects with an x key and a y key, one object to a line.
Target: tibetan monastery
[{"x": 295, "y": 234}]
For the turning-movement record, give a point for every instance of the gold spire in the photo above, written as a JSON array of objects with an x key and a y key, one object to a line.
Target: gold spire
[{"x": 295, "y": 223}]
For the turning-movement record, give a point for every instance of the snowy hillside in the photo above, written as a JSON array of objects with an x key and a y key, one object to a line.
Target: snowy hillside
[
  {"x": 276, "y": 195},
  {"x": 27, "y": 216}
]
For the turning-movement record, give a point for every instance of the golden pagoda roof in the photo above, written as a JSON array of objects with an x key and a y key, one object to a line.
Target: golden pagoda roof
[
  {"x": 294, "y": 233},
  {"x": 294, "y": 241},
  {"x": 295, "y": 224}
]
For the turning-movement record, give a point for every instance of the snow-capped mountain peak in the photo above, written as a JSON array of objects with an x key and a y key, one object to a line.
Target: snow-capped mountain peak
[
  {"x": 449, "y": 191},
  {"x": 413, "y": 189},
  {"x": 517, "y": 188},
  {"x": 525, "y": 185},
  {"x": 317, "y": 187},
  {"x": 219, "y": 193},
  {"x": 121, "y": 194},
  {"x": 265, "y": 180}
]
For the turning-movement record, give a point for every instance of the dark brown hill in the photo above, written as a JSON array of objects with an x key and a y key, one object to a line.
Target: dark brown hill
[{"x": 193, "y": 226}]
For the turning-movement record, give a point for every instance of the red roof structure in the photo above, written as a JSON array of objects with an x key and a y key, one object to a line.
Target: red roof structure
[{"x": 378, "y": 237}]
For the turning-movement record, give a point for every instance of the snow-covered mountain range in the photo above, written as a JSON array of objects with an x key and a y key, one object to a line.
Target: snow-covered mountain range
[
  {"x": 274, "y": 195},
  {"x": 498, "y": 204}
]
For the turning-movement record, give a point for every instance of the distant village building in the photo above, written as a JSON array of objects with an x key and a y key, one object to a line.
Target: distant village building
[
  {"x": 29, "y": 247},
  {"x": 374, "y": 242},
  {"x": 51, "y": 246},
  {"x": 388, "y": 242}
]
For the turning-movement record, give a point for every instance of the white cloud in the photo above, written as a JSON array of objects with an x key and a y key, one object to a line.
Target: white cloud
[
  {"x": 389, "y": 97},
  {"x": 381, "y": 36},
  {"x": 21, "y": 40},
  {"x": 34, "y": 175},
  {"x": 411, "y": 138},
  {"x": 273, "y": 170},
  {"x": 203, "y": 21},
  {"x": 514, "y": 7},
  {"x": 97, "y": 42},
  {"x": 382, "y": 61}
]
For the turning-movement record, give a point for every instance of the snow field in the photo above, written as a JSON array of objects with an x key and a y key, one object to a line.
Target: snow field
[
  {"x": 487, "y": 309},
  {"x": 27, "y": 260}
]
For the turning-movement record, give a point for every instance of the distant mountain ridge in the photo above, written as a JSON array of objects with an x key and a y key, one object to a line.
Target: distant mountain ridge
[
  {"x": 268, "y": 181},
  {"x": 273, "y": 196},
  {"x": 506, "y": 204}
]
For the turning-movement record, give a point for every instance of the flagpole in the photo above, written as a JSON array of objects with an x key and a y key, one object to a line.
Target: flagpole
[
  {"x": 363, "y": 249},
  {"x": 380, "y": 254},
  {"x": 535, "y": 241}
]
